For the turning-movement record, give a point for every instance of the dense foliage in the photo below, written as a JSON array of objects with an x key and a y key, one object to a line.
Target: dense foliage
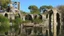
[
  {"x": 33, "y": 9},
  {"x": 16, "y": 23},
  {"x": 4, "y": 3},
  {"x": 4, "y": 24}
]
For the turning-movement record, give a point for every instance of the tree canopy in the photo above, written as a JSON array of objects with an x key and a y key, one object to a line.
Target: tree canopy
[
  {"x": 4, "y": 24},
  {"x": 33, "y": 9},
  {"x": 4, "y": 3}
]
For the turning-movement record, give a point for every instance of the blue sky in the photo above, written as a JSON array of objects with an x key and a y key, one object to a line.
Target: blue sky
[{"x": 24, "y": 4}]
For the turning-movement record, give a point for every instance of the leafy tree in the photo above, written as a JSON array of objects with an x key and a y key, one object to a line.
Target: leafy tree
[
  {"x": 4, "y": 24},
  {"x": 17, "y": 25},
  {"x": 4, "y": 3},
  {"x": 43, "y": 8},
  {"x": 33, "y": 9},
  {"x": 17, "y": 22},
  {"x": 23, "y": 12}
]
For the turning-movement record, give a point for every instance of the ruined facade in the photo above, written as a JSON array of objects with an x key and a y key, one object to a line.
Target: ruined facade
[{"x": 53, "y": 24}]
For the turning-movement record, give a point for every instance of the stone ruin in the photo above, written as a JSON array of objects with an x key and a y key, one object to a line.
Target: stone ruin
[{"x": 53, "y": 25}]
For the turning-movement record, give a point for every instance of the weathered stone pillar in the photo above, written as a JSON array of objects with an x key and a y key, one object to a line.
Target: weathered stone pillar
[
  {"x": 54, "y": 23},
  {"x": 23, "y": 18},
  {"x": 49, "y": 24},
  {"x": 48, "y": 32},
  {"x": 18, "y": 3},
  {"x": 21, "y": 28},
  {"x": 32, "y": 16}
]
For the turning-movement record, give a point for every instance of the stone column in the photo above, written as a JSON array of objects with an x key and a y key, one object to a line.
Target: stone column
[
  {"x": 18, "y": 3},
  {"x": 49, "y": 24},
  {"x": 24, "y": 18},
  {"x": 21, "y": 28},
  {"x": 54, "y": 24},
  {"x": 32, "y": 16}
]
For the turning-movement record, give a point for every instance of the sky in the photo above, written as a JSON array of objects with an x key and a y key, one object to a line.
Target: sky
[{"x": 24, "y": 4}]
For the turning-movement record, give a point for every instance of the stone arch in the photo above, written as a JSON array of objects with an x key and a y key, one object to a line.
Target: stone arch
[
  {"x": 58, "y": 23},
  {"x": 28, "y": 17},
  {"x": 6, "y": 15},
  {"x": 50, "y": 22}
]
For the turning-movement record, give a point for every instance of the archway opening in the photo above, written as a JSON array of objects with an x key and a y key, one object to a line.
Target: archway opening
[
  {"x": 6, "y": 15},
  {"x": 58, "y": 23},
  {"x": 28, "y": 17}
]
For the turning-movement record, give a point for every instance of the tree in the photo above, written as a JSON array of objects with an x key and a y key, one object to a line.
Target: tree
[
  {"x": 17, "y": 22},
  {"x": 4, "y": 3},
  {"x": 17, "y": 25},
  {"x": 33, "y": 9},
  {"x": 4, "y": 24},
  {"x": 45, "y": 7},
  {"x": 23, "y": 12}
]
